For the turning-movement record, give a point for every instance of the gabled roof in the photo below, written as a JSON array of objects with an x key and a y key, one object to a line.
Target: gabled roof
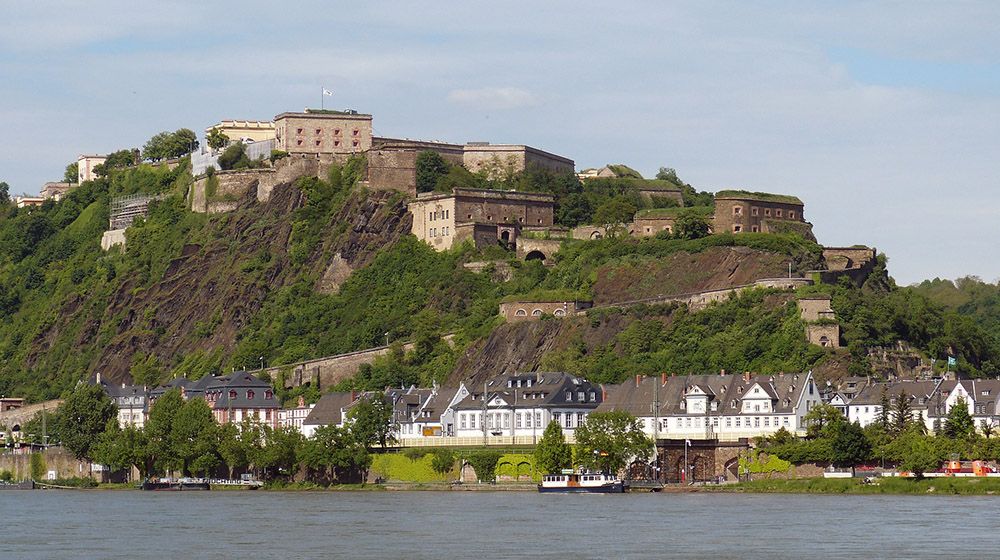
[
  {"x": 536, "y": 389},
  {"x": 330, "y": 409}
]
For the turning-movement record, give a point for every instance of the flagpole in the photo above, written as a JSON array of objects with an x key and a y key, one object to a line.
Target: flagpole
[{"x": 322, "y": 100}]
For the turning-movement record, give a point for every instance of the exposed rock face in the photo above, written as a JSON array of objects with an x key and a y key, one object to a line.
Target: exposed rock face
[
  {"x": 680, "y": 273},
  {"x": 209, "y": 292}
]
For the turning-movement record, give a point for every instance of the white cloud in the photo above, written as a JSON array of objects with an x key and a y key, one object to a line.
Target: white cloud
[{"x": 494, "y": 98}]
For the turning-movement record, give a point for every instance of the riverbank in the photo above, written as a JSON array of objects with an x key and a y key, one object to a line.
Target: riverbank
[{"x": 888, "y": 485}]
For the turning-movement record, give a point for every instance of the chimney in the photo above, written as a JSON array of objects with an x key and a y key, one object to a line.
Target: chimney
[
  {"x": 746, "y": 376},
  {"x": 663, "y": 378},
  {"x": 638, "y": 380}
]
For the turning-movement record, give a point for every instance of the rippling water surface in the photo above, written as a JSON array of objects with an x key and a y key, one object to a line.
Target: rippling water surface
[{"x": 440, "y": 525}]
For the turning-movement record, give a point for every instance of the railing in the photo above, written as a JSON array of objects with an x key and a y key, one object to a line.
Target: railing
[{"x": 472, "y": 441}]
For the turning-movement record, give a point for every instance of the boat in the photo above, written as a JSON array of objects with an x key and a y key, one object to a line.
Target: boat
[
  {"x": 174, "y": 484},
  {"x": 23, "y": 485},
  {"x": 572, "y": 482}
]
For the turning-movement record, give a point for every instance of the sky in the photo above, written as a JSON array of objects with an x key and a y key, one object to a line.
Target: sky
[{"x": 884, "y": 117}]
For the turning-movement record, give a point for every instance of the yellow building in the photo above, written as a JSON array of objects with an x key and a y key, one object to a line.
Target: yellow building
[
  {"x": 85, "y": 167},
  {"x": 254, "y": 131},
  {"x": 323, "y": 132}
]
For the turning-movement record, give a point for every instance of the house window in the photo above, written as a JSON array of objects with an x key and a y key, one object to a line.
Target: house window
[
  {"x": 472, "y": 421},
  {"x": 538, "y": 419},
  {"x": 767, "y": 422},
  {"x": 579, "y": 418},
  {"x": 687, "y": 422},
  {"x": 737, "y": 422},
  {"x": 250, "y": 395},
  {"x": 569, "y": 419},
  {"x": 557, "y": 417},
  {"x": 756, "y": 422},
  {"x": 430, "y": 216},
  {"x": 518, "y": 420},
  {"x": 729, "y": 422},
  {"x": 520, "y": 313}
]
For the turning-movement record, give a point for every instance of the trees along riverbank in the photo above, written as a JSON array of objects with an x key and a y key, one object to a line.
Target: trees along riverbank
[{"x": 896, "y": 439}]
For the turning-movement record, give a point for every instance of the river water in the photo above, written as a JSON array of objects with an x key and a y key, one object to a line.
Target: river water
[{"x": 443, "y": 525}]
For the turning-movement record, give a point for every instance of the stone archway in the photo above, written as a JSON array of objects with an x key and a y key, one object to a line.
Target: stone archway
[
  {"x": 535, "y": 255},
  {"x": 732, "y": 469}
]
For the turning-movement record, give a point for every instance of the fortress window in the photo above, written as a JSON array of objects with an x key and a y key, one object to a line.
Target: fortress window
[
  {"x": 791, "y": 214},
  {"x": 777, "y": 212},
  {"x": 767, "y": 211},
  {"x": 520, "y": 313},
  {"x": 754, "y": 229},
  {"x": 336, "y": 142},
  {"x": 737, "y": 210},
  {"x": 298, "y": 131},
  {"x": 354, "y": 143},
  {"x": 318, "y": 131},
  {"x": 430, "y": 216},
  {"x": 317, "y": 142},
  {"x": 298, "y": 142},
  {"x": 536, "y": 313},
  {"x": 737, "y": 228},
  {"x": 754, "y": 211},
  {"x": 354, "y": 132},
  {"x": 336, "y": 132}
]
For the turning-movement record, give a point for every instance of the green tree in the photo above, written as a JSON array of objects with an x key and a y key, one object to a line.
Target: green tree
[
  {"x": 159, "y": 428},
  {"x": 574, "y": 210},
  {"x": 690, "y": 224},
  {"x": 442, "y": 460},
  {"x": 72, "y": 173},
  {"x": 110, "y": 449},
  {"x": 959, "y": 424},
  {"x": 4, "y": 193},
  {"x": 919, "y": 456},
  {"x": 37, "y": 466},
  {"x": 83, "y": 417},
  {"x": 232, "y": 449},
  {"x": 430, "y": 167},
  {"x": 234, "y": 157},
  {"x": 283, "y": 448},
  {"x": 334, "y": 453},
  {"x": 668, "y": 174},
  {"x": 552, "y": 452},
  {"x": 484, "y": 462},
  {"x": 166, "y": 145},
  {"x": 117, "y": 160},
  {"x": 819, "y": 416},
  {"x": 848, "y": 444},
  {"x": 371, "y": 421},
  {"x": 614, "y": 214},
  {"x": 193, "y": 436},
  {"x": 608, "y": 440},
  {"x": 883, "y": 412},
  {"x": 216, "y": 139},
  {"x": 902, "y": 416}
]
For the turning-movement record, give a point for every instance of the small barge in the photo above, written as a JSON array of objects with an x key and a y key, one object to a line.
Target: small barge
[{"x": 174, "y": 484}]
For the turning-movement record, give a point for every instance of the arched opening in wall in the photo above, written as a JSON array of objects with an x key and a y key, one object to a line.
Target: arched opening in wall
[
  {"x": 535, "y": 256},
  {"x": 596, "y": 235},
  {"x": 505, "y": 236},
  {"x": 559, "y": 313},
  {"x": 824, "y": 341},
  {"x": 536, "y": 313},
  {"x": 520, "y": 313},
  {"x": 732, "y": 469}
]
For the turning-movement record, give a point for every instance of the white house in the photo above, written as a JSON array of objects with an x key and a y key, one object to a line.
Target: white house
[{"x": 719, "y": 406}]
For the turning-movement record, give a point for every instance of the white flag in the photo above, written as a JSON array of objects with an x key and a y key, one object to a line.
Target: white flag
[{"x": 327, "y": 92}]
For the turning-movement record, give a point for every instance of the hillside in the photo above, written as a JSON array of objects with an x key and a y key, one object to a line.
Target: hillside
[{"x": 326, "y": 267}]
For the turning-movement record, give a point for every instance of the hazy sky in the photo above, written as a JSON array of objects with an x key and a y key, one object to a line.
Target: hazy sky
[{"x": 883, "y": 118}]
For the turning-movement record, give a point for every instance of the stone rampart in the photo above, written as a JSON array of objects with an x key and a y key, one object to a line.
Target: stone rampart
[
  {"x": 56, "y": 460},
  {"x": 533, "y": 310},
  {"x": 845, "y": 258},
  {"x": 17, "y": 417},
  {"x": 325, "y": 372},
  {"x": 700, "y": 300},
  {"x": 542, "y": 249}
]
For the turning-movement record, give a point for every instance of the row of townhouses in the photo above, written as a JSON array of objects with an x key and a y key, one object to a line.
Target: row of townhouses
[{"x": 930, "y": 401}]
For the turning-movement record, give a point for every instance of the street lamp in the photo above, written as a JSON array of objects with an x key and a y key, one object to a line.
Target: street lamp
[{"x": 386, "y": 338}]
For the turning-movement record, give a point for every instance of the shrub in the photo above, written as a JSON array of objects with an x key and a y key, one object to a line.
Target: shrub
[{"x": 484, "y": 462}]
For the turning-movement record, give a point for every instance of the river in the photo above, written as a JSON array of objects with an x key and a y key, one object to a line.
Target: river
[{"x": 442, "y": 525}]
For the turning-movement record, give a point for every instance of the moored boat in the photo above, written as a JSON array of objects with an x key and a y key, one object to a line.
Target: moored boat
[
  {"x": 572, "y": 482},
  {"x": 23, "y": 485},
  {"x": 175, "y": 484}
]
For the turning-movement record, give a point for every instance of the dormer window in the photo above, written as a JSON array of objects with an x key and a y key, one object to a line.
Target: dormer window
[
  {"x": 683, "y": 405},
  {"x": 269, "y": 394},
  {"x": 250, "y": 395},
  {"x": 580, "y": 396},
  {"x": 232, "y": 393},
  {"x": 593, "y": 396},
  {"x": 715, "y": 406},
  {"x": 569, "y": 396}
]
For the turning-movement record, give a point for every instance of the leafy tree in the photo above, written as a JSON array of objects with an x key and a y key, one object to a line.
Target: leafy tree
[
  {"x": 216, "y": 139},
  {"x": 113, "y": 448},
  {"x": 552, "y": 452},
  {"x": 614, "y": 214},
  {"x": 234, "y": 157},
  {"x": 987, "y": 428},
  {"x": 574, "y": 210},
  {"x": 430, "y": 167},
  {"x": 919, "y": 456},
  {"x": 608, "y": 440},
  {"x": 371, "y": 421},
  {"x": 690, "y": 224},
  {"x": 848, "y": 444},
  {"x": 902, "y": 416},
  {"x": 484, "y": 462},
  {"x": 193, "y": 436},
  {"x": 83, "y": 417},
  {"x": 166, "y": 145},
  {"x": 819, "y": 416},
  {"x": 335, "y": 452},
  {"x": 959, "y": 424},
  {"x": 442, "y": 460},
  {"x": 4, "y": 193},
  {"x": 117, "y": 160},
  {"x": 668, "y": 174},
  {"x": 232, "y": 449},
  {"x": 72, "y": 173},
  {"x": 159, "y": 428},
  {"x": 283, "y": 447}
]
